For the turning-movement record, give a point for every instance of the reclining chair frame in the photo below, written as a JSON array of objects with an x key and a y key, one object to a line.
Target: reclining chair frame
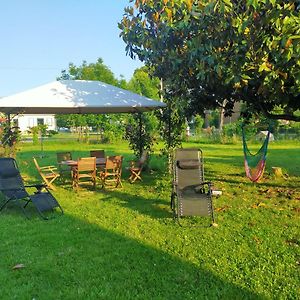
[
  {"x": 202, "y": 189},
  {"x": 42, "y": 199}
]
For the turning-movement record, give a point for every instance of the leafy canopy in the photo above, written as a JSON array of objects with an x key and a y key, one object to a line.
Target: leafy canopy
[{"x": 207, "y": 51}]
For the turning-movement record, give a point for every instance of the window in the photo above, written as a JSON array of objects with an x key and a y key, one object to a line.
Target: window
[{"x": 40, "y": 121}]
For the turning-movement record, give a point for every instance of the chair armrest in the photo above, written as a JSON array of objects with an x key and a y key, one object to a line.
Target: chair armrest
[
  {"x": 201, "y": 183},
  {"x": 5, "y": 189},
  {"x": 37, "y": 186},
  {"x": 199, "y": 188},
  {"x": 48, "y": 168},
  {"x": 206, "y": 182},
  {"x": 40, "y": 187}
]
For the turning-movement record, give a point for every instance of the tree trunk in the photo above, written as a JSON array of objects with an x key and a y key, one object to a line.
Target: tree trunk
[{"x": 222, "y": 110}]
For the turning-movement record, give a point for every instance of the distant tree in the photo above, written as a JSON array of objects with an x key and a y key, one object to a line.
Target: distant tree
[
  {"x": 92, "y": 71},
  {"x": 62, "y": 121},
  {"x": 142, "y": 83},
  {"x": 198, "y": 123},
  {"x": 102, "y": 123},
  {"x": 122, "y": 83}
]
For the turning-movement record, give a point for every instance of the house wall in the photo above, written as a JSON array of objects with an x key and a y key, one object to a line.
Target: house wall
[
  {"x": 227, "y": 120},
  {"x": 26, "y": 121},
  {"x": 235, "y": 115}
]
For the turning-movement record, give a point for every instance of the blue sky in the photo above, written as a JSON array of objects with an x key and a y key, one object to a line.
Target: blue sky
[{"x": 39, "y": 38}]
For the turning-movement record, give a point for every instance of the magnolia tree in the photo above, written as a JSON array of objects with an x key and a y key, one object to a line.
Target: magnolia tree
[{"x": 214, "y": 53}]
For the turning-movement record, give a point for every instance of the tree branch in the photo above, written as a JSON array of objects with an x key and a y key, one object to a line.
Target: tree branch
[
  {"x": 287, "y": 117},
  {"x": 272, "y": 116}
]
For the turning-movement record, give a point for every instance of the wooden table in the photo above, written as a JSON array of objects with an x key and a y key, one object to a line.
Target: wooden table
[
  {"x": 73, "y": 164},
  {"x": 100, "y": 162}
]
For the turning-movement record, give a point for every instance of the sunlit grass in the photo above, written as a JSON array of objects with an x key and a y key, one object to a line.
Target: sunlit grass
[{"x": 124, "y": 244}]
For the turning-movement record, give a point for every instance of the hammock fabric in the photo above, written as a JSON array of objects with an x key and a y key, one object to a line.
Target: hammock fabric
[{"x": 255, "y": 163}]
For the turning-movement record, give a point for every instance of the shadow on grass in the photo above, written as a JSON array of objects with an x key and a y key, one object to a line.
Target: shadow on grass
[
  {"x": 293, "y": 183},
  {"x": 69, "y": 258},
  {"x": 155, "y": 208}
]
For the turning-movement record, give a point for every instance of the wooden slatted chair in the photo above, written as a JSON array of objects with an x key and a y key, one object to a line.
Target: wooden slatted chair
[
  {"x": 136, "y": 167},
  {"x": 85, "y": 172},
  {"x": 48, "y": 173},
  {"x": 111, "y": 175},
  {"x": 97, "y": 153},
  {"x": 64, "y": 170}
]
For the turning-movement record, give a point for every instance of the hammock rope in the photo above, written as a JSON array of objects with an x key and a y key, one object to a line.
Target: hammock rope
[{"x": 255, "y": 163}]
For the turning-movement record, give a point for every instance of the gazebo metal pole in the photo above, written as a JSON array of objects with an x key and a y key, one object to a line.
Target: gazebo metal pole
[
  {"x": 42, "y": 145},
  {"x": 8, "y": 134},
  {"x": 140, "y": 133},
  {"x": 170, "y": 156}
]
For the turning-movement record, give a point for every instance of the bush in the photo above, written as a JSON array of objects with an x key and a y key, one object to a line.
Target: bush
[{"x": 51, "y": 132}]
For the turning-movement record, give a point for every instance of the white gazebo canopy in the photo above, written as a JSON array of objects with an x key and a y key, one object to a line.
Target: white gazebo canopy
[{"x": 77, "y": 97}]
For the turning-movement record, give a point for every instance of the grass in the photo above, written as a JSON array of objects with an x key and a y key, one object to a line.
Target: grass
[{"x": 124, "y": 244}]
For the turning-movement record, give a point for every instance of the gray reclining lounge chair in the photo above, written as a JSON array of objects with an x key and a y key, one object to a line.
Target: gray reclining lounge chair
[{"x": 191, "y": 195}]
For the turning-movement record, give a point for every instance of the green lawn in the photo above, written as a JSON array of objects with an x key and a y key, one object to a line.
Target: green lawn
[{"x": 124, "y": 244}]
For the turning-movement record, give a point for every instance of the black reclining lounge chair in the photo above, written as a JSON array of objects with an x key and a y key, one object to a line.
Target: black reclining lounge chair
[{"x": 12, "y": 189}]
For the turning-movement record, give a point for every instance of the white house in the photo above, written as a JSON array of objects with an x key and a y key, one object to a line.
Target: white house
[{"x": 24, "y": 122}]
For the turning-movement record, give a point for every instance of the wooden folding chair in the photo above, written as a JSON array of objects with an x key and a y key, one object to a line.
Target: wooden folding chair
[
  {"x": 98, "y": 154},
  {"x": 64, "y": 170},
  {"x": 136, "y": 167},
  {"x": 111, "y": 175},
  {"x": 85, "y": 172},
  {"x": 48, "y": 173}
]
